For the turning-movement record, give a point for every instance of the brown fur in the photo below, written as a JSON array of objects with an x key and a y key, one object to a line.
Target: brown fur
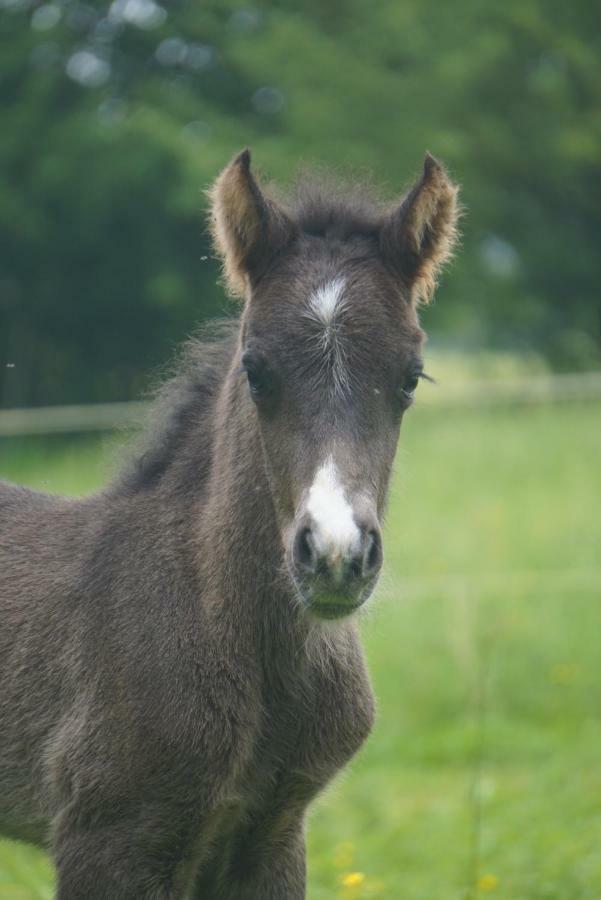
[
  {"x": 244, "y": 222},
  {"x": 171, "y": 695},
  {"x": 422, "y": 233},
  {"x": 419, "y": 233}
]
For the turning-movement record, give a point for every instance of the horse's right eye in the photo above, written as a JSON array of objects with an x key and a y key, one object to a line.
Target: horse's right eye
[
  {"x": 257, "y": 373},
  {"x": 255, "y": 382}
]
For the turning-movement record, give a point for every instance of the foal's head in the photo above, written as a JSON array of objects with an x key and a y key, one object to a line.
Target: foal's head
[{"x": 331, "y": 348}]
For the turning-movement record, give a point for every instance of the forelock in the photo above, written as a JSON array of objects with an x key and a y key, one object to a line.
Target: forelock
[{"x": 325, "y": 206}]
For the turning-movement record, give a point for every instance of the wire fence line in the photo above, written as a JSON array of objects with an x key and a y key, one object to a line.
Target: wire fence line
[
  {"x": 550, "y": 580},
  {"x": 56, "y": 419},
  {"x": 532, "y": 390}
]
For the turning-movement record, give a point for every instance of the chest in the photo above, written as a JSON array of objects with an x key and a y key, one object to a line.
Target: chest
[
  {"x": 310, "y": 724},
  {"x": 305, "y": 735}
]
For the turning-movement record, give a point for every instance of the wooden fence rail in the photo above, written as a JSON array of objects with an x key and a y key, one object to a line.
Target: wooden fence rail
[{"x": 482, "y": 393}]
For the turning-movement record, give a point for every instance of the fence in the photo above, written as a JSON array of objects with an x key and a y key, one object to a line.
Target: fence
[{"x": 487, "y": 392}]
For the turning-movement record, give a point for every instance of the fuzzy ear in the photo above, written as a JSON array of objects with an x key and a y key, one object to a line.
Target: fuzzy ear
[
  {"x": 420, "y": 234},
  {"x": 248, "y": 228}
]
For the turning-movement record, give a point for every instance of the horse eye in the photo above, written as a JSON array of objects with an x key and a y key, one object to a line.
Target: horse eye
[
  {"x": 257, "y": 373},
  {"x": 410, "y": 385},
  {"x": 254, "y": 381}
]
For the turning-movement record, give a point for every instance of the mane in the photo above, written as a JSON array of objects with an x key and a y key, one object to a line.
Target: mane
[
  {"x": 324, "y": 205},
  {"x": 180, "y": 404}
]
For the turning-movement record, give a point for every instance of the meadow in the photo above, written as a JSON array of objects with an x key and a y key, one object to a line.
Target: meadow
[{"x": 482, "y": 778}]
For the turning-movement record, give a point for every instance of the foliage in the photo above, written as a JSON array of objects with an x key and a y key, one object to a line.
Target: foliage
[
  {"x": 115, "y": 116},
  {"x": 481, "y": 778}
]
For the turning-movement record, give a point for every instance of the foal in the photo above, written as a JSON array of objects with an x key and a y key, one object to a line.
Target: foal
[{"x": 180, "y": 672}]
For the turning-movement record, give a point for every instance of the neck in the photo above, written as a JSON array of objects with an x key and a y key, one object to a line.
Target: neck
[{"x": 239, "y": 545}]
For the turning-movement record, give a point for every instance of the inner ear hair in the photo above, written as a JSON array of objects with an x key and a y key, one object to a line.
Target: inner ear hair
[
  {"x": 247, "y": 227},
  {"x": 420, "y": 234}
]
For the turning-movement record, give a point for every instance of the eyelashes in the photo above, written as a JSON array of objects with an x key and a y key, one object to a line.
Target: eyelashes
[{"x": 409, "y": 385}]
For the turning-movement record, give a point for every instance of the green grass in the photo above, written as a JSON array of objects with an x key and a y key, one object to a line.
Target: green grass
[{"x": 482, "y": 778}]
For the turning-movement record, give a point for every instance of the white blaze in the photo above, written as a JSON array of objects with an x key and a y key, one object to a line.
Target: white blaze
[
  {"x": 324, "y": 300},
  {"x": 334, "y": 529}
]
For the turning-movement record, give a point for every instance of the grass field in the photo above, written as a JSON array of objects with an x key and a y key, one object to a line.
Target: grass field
[{"x": 483, "y": 776}]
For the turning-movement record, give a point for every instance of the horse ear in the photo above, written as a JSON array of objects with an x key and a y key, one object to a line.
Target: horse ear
[
  {"x": 420, "y": 234},
  {"x": 248, "y": 228}
]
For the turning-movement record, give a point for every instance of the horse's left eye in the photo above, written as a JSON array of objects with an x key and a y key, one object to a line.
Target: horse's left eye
[{"x": 410, "y": 385}]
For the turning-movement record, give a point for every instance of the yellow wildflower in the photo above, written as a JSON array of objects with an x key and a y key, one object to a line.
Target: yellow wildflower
[
  {"x": 353, "y": 879},
  {"x": 487, "y": 882},
  {"x": 563, "y": 673}
]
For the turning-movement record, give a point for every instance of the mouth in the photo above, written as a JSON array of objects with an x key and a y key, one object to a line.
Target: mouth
[
  {"x": 330, "y": 604},
  {"x": 323, "y": 600},
  {"x": 331, "y": 611}
]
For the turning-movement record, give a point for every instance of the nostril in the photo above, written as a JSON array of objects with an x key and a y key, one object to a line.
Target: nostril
[
  {"x": 304, "y": 550},
  {"x": 372, "y": 557},
  {"x": 355, "y": 567}
]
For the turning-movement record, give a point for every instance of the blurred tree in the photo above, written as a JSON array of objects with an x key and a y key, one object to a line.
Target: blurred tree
[{"x": 116, "y": 115}]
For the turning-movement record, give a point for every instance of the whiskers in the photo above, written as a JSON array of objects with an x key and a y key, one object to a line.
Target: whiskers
[{"x": 320, "y": 642}]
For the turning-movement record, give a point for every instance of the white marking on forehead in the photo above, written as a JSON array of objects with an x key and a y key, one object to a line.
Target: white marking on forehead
[
  {"x": 334, "y": 528},
  {"x": 324, "y": 301},
  {"x": 323, "y": 307}
]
